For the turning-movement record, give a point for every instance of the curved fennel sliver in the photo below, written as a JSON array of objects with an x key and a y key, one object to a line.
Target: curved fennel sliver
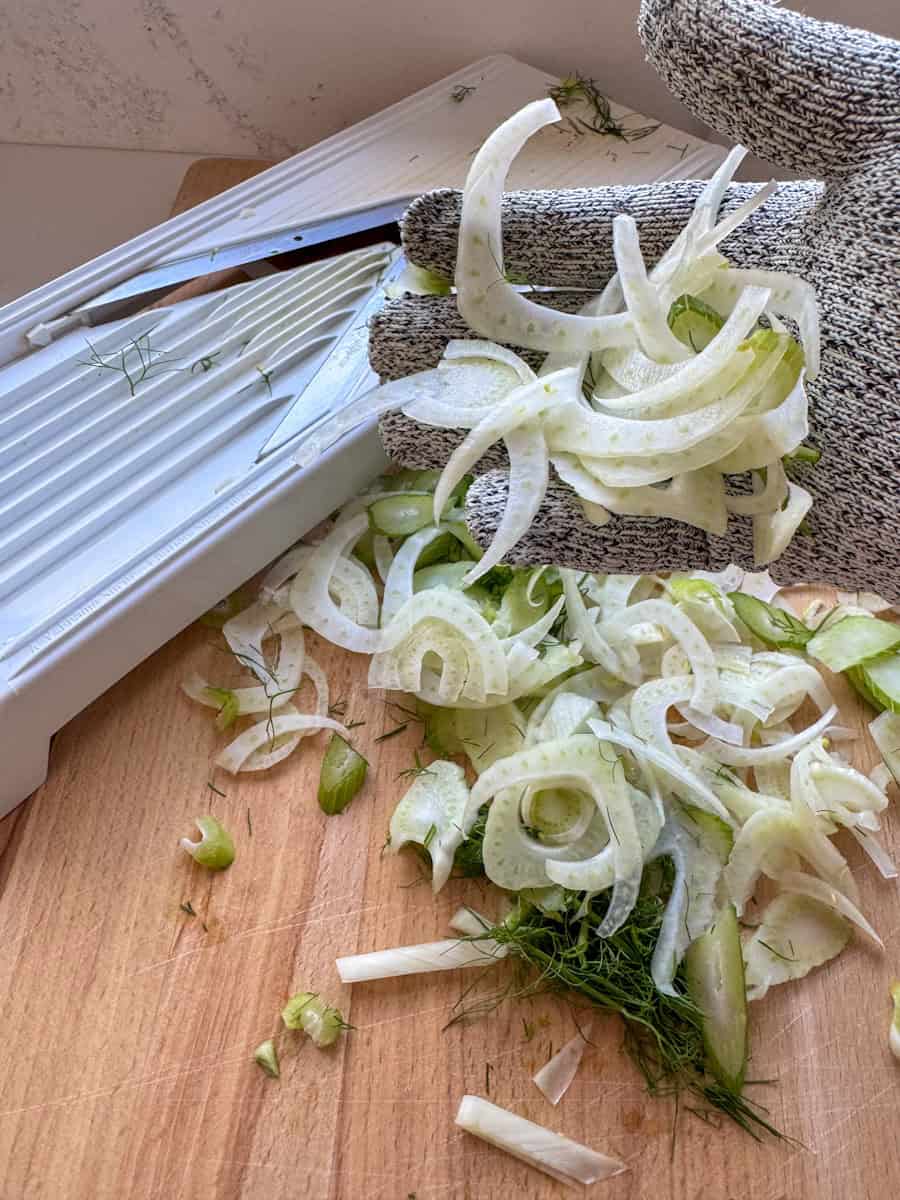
[
  {"x": 694, "y": 497},
  {"x": 276, "y": 750},
  {"x": 688, "y": 636},
  {"x": 720, "y": 364},
  {"x": 451, "y": 608},
  {"x": 523, "y": 404},
  {"x": 461, "y": 673},
  {"x": 748, "y": 756},
  {"x": 594, "y": 644},
  {"x": 579, "y": 761},
  {"x": 235, "y": 756},
  {"x": 528, "y": 473},
  {"x": 641, "y": 298},
  {"x": 463, "y": 348},
  {"x": 791, "y": 297},
  {"x": 683, "y": 781},
  {"x": 769, "y": 435},
  {"x": 398, "y": 584},
  {"x": 594, "y": 684},
  {"x": 765, "y": 499},
  {"x": 798, "y": 883},
  {"x": 246, "y": 632},
  {"x": 539, "y": 674},
  {"x": 679, "y": 396},
  {"x": 598, "y": 873},
  {"x": 514, "y": 860},
  {"x": 700, "y": 221},
  {"x": 769, "y": 842},
  {"x": 472, "y": 387},
  {"x": 431, "y": 814},
  {"x": 693, "y": 903},
  {"x": 708, "y": 241},
  {"x": 374, "y": 403},
  {"x": 532, "y": 634},
  {"x": 579, "y": 431},
  {"x": 350, "y": 584},
  {"x": 653, "y": 699},
  {"x": 310, "y": 598},
  {"x": 815, "y": 931},
  {"x": 835, "y": 791},
  {"x": 487, "y": 302},
  {"x": 773, "y": 531}
]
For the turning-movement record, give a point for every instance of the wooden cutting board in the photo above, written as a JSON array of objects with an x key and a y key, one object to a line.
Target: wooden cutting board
[{"x": 125, "y": 1065}]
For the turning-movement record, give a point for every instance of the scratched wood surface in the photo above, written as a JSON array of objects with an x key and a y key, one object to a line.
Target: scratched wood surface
[{"x": 128, "y": 1025}]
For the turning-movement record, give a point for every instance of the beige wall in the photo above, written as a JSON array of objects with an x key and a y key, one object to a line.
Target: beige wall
[{"x": 264, "y": 77}]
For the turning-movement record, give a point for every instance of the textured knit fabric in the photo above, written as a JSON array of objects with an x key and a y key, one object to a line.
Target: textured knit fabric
[{"x": 811, "y": 96}]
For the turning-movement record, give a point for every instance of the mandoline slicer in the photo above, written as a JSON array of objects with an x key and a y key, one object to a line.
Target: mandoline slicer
[{"x": 132, "y": 493}]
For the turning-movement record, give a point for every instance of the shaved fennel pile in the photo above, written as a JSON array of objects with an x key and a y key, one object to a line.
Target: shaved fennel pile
[
  {"x": 626, "y": 758},
  {"x": 655, "y": 400}
]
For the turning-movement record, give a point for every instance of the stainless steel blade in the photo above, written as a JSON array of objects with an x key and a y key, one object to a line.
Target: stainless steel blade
[{"x": 341, "y": 377}]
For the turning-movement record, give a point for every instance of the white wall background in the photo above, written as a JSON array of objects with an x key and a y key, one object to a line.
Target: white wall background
[{"x": 266, "y": 77}]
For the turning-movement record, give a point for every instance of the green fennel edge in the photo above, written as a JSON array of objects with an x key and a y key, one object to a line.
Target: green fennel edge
[{"x": 663, "y": 1034}]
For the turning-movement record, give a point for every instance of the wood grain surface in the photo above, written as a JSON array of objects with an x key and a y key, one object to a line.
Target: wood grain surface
[{"x": 129, "y": 1025}]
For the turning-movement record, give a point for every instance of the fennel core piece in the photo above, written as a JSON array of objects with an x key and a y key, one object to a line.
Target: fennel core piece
[
  {"x": 266, "y": 1056},
  {"x": 215, "y": 849},
  {"x": 321, "y": 1022}
]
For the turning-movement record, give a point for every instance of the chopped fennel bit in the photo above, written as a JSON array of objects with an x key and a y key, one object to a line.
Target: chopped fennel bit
[
  {"x": 894, "y": 1034},
  {"x": 319, "y": 1021},
  {"x": 555, "y": 1077},
  {"x": 342, "y": 774},
  {"x": 555, "y": 1155},
  {"x": 215, "y": 850},
  {"x": 266, "y": 1056}
]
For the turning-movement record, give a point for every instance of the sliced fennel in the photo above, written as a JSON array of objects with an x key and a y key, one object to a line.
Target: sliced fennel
[
  {"x": 689, "y": 370},
  {"x": 582, "y": 763},
  {"x": 638, "y": 745},
  {"x": 266, "y": 1056},
  {"x": 433, "y": 814},
  {"x": 698, "y": 846},
  {"x": 796, "y": 935},
  {"x": 715, "y": 981},
  {"x": 852, "y": 641},
  {"x": 265, "y": 744}
]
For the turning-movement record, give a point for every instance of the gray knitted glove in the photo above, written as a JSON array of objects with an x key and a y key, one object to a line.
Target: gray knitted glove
[{"x": 814, "y": 97}]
